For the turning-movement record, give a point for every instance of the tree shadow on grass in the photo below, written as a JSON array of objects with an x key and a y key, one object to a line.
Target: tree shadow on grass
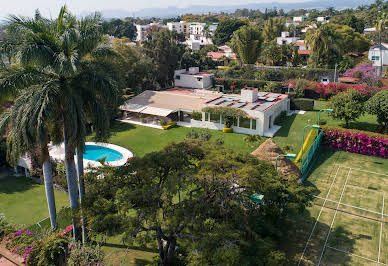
[
  {"x": 286, "y": 126},
  {"x": 141, "y": 262},
  {"x": 14, "y": 184},
  {"x": 121, "y": 127}
]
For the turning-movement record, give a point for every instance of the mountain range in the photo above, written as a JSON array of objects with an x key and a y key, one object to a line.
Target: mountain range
[{"x": 172, "y": 11}]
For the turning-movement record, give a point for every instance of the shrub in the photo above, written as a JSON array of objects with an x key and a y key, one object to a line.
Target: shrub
[
  {"x": 87, "y": 255},
  {"x": 196, "y": 116},
  {"x": 302, "y": 104},
  {"x": 220, "y": 141},
  {"x": 205, "y": 134},
  {"x": 347, "y": 106},
  {"x": 378, "y": 105},
  {"x": 193, "y": 134},
  {"x": 163, "y": 122},
  {"x": 355, "y": 141},
  {"x": 273, "y": 87}
]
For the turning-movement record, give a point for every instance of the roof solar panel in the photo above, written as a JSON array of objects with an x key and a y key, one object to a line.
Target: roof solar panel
[
  {"x": 273, "y": 95},
  {"x": 238, "y": 105},
  {"x": 217, "y": 101},
  {"x": 264, "y": 106},
  {"x": 226, "y": 103},
  {"x": 262, "y": 98},
  {"x": 262, "y": 93},
  {"x": 250, "y": 106},
  {"x": 270, "y": 99}
]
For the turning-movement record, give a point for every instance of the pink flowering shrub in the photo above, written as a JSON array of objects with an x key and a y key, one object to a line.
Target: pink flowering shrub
[
  {"x": 362, "y": 71},
  {"x": 356, "y": 141},
  {"x": 334, "y": 88}
]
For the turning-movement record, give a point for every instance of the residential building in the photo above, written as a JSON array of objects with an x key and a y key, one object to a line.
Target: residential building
[
  {"x": 142, "y": 30},
  {"x": 193, "y": 78},
  {"x": 195, "y": 42},
  {"x": 323, "y": 19},
  {"x": 177, "y": 26},
  {"x": 285, "y": 38},
  {"x": 378, "y": 54},
  {"x": 366, "y": 30},
  {"x": 196, "y": 28},
  {"x": 309, "y": 27},
  {"x": 299, "y": 19},
  {"x": 177, "y": 104},
  {"x": 223, "y": 50}
]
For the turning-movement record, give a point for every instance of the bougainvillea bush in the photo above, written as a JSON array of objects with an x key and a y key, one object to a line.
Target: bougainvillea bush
[
  {"x": 334, "y": 88},
  {"x": 356, "y": 141}
]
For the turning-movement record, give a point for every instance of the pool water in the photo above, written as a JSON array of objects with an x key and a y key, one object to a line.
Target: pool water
[{"x": 95, "y": 153}]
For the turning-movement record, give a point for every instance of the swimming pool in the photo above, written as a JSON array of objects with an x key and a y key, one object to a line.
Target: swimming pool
[{"x": 95, "y": 153}]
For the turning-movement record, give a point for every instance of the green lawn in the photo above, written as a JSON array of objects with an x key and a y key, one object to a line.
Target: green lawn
[
  {"x": 23, "y": 201},
  {"x": 291, "y": 132},
  {"x": 141, "y": 140}
]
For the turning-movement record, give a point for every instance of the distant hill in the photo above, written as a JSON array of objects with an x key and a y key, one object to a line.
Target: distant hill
[{"x": 203, "y": 9}]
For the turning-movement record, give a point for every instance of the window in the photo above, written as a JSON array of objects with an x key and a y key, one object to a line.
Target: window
[
  {"x": 254, "y": 124},
  {"x": 245, "y": 122},
  {"x": 206, "y": 116},
  {"x": 177, "y": 77},
  {"x": 214, "y": 118},
  {"x": 374, "y": 57},
  {"x": 199, "y": 79}
]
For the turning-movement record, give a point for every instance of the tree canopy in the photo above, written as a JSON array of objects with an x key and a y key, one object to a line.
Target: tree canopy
[
  {"x": 347, "y": 106},
  {"x": 378, "y": 105},
  {"x": 225, "y": 30},
  {"x": 246, "y": 43}
]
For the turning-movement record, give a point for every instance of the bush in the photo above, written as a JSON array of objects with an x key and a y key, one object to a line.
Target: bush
[
  {"x": 220, "y": 141},
  {"x": 86, "y": 255},
  {"x": 356, "y": 141},
  {"x": 193, "y": 134},
  {"x": 273, "y": 87},
  {"x": 302, "y": 104},
  {"x": 205, "y": 134},
  {"x": 163, "y": 122},
  {"x": 196, "y": 116}
]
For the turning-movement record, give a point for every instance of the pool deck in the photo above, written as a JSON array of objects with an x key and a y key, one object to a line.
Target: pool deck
[{"x": 58, "y": 153}]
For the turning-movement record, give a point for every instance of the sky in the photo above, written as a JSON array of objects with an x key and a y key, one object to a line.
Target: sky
[{"x": 50, "y": 8}]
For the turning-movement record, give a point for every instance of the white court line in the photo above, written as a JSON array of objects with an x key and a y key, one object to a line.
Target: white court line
[
  {"x": 362, "y": 170},
  {"x": 316, "y": 221},
  {"x": 381, "y": 228},
  {"x": 335, "y": 214},
  {"x": 355, "y": 207},
  {"x": 351, "y": 254}
]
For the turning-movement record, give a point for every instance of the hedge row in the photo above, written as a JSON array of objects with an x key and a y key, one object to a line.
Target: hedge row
[
  {"x": 302, "y": 104},
  {"x": 240, "y": 83},
  {"x": 356, "y": 141}
]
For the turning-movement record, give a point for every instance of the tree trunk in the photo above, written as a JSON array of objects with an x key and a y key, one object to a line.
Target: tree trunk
[
  {"x": 49, "y": 187},
  {"x": 80, "y": 172},
  {"x": 71, "y": 177}
]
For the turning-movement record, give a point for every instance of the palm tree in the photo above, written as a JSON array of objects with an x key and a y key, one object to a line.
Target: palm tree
[
  {"x": 26, "y": 125},
  {"x": 380, "y": 24},
  {"x": 72, "y": 60},
  {"x": 324, "y": 44}
]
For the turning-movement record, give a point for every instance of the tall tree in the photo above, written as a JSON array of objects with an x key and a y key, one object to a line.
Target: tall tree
[
  {"x": 347, "y": 106},
  {"x": 273, "y": 28},
  {"x": 225, "y": 30},
  {"x": 165, "y": 49},
  {"x": 246, "y": 43},
  {"x": 119, "y": 28},
  {"x": 325, "y": 44},
  {"x": 378, "y": 105},
  {"x": 357, "y": 24},
  {"x": 381, "y": 24},
  {"x": 68, "y": 60}
]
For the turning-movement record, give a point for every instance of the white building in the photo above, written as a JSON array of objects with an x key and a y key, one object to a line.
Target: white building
[
  {"x": 196, "y": 28},
  {"x": 193, "y": 79},
  {"x": 177, "y": 104},
  {"x": 299, "y": 19},
  {"x": 142, "y": 30},
  {"x": 323, "y": 19},
  {"x": 195, "y": 42},
  {"x": 378, "y": 54},
  {"x": 285, "y": 38},
  {"x": 177, "y": 26}
]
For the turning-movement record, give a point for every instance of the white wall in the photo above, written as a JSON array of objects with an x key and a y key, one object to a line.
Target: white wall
[
  {"x": 287, "y": 40},
  {"x": 376, "y": 52},
  {"x": 191, "y": 81}
]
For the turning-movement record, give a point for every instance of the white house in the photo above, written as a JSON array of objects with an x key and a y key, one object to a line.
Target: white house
[
  {"x": 142, "y": 30},
  {"x": 177, "y": 104},
  {"x": 285, "y": 38},
  {"x": 196, "y": 28},
  {"x": 323, "y": 19},
  {"x": 378, "y": 54},
  {"x": 299, "y": 19},
  {"x": 195, "y": 42},
  {"x": 177, "y": 26},
  {"x": 193, "y": 78}
]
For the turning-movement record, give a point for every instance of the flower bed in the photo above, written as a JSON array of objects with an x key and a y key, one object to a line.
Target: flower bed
[{"x": 356, "y": 141}]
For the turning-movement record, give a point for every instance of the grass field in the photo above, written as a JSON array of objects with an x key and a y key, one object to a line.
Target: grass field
[
  {"x": 23, "y": 201},
  {"x": 142, "y": 140},
  {"x": 347, "y": 223}
]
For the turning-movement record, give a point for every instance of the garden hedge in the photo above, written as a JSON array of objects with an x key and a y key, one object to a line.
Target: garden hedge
[
  {"x": 240, "y": 83},
  {"x": 302, "y": 104},
  {"x": 355, "y": 141}
]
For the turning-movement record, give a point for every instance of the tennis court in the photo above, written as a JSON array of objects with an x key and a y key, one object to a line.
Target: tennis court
[{"x": 350, "y": 211}]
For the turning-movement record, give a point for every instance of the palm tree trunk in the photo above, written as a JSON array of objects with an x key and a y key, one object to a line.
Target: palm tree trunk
[
  {"x": 49, "y": 187},
  {"x": 80, "y": 172},
  {"x": 71, "y": 177}
]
